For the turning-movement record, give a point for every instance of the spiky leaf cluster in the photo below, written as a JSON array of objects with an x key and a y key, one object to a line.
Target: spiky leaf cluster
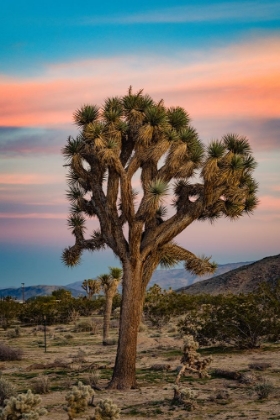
[{"x": 133, "y": 137}]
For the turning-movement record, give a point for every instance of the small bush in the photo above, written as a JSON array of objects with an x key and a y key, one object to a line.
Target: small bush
[
  {"x": 247, "y": 378},
  {"x": 40, "y": 328},
  {"x": 79, "y": 357},
  {"x": 115, "y": 323},
  {"x": 41, "y": 385},
  {"x": 110, "y": 342},
  {"x": 83, "y": 326},
  {"x": 8, "y": 353},
  {"x": 259, "y": 366},
  {"x": 7, "y": 390},
  {"x": 264, "y": 388},
  {"x": 68, "y": 336},
  {"x": 93, "y": 378},
  {"x": 142, "y": 327},
  {"x": 16, "y": 332}
]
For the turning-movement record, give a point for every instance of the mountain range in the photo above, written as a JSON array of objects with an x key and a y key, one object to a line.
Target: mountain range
[{"x": 174, "y": 278}]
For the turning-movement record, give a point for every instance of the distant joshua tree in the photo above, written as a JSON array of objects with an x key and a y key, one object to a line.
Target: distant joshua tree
[
  {"x": 109, "y": 283},
  {"x": 134, "y": 137},
  {"x": 91, "y": 287}
]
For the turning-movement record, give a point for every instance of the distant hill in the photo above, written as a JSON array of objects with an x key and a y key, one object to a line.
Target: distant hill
[
  {"x": 175, "y": 278},
  {"x": 32, "y": 291},
  {"x": 241, "y": 280}
]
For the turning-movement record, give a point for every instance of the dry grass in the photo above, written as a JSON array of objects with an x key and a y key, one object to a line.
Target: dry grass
[{"x": 84, "y": 358}]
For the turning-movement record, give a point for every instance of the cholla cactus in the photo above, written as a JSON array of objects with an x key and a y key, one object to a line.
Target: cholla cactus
[
  {"x": 23, "y": 406},
  {"x": 7, "y": 390},
  {"x": 191, "y": 360},
  {"x": 78, "y": 399},
  {"x": 106, "y": 410},
  {"x": 185, "y": 396}
]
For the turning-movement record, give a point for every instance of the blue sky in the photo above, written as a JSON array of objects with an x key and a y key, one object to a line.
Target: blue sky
[{"x": 219, "y": 60}]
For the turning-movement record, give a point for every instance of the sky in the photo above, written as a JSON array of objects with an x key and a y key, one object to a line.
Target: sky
[{"x": 219, "y": 60}]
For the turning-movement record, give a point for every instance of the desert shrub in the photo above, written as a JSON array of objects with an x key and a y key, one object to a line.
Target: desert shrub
[
  {"x": 78, "y": 400},
  {"x": 41, "y": 385},
  {"x": 83, "y": 326},
  {"x": 8, "y": 353},
  {"x": 68, "y": 336},
  {"x": 117, "y": 301},
  {"x": 110, "y": 342},
  {"x": 142, "y": 327},
  {"x": 185, "y": 396},
  {"x": 7, "y": 390},
  {"x": 79, "y": 357},
  {"x": 106, "y": 410},
  {"x": 23, "y": 406},
  {"x": 88, "y": 307},
  {"x": 259, "y": 365},
  {"x": 9, "y": 310},
  {"x": 247, "y": 378},
  {"x": 232, "y": 320},
  {"x": 56, "y": 311},
  {"x": 221, "y": 394},
  {"x": 161, "y": 305},
  {"x": 93, "y": 378},
  {"x": 264, "y": 388},
  {"x": 116, "y": 313},
  {"x": 15, "y": 333},
  {"x": 114, "y": 323}
]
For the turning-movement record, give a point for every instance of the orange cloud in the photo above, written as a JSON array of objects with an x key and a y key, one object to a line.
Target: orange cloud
[
  {"x": 237, "y": 81},
  {"x": 27, "y": 179},
  {"x": 32, "y": 216},
  {"x": 269, "y": 203}
]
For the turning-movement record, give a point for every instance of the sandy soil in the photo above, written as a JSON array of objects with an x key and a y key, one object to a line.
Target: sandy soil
[{"x": 217, "y": 398}]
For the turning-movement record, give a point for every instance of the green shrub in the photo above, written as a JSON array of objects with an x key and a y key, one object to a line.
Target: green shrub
[{"x": 232, "y": 320}]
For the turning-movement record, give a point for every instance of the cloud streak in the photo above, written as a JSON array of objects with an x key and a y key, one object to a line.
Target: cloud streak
[
  {"x": 239, "y": 81},
  {"x": 247, "y": 11},
  {"x": 26, "y": 141},
  {"x": 28, "y": 179}
]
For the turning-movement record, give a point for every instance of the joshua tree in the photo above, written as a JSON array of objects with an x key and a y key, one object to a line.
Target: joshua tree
[
  {"x": 131, "y": 138},
  {"x": 91, "y": 287},
  {"x": 109, "y": 283}
]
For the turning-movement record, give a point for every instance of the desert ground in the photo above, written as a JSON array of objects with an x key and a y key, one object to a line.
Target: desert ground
[{"x": 72, "y": 355}]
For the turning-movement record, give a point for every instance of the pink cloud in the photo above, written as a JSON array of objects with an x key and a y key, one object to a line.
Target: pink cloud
[
  {"x": 27, "y": 179},
  {"x": 269, "y": 203},
  {"x": 238, "y": 81},
  {"x": 32, "y": 216}
]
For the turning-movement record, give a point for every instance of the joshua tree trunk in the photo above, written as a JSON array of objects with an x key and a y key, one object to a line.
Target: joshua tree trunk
[
  {"x": 109, "y": 284},
  {"x": 124, "y": 376},
  {"x": 107, "y": 315}
]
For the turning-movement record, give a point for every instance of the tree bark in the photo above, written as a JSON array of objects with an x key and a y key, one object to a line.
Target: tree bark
[
  {"x": 107, "y": 317},
  {"x": 124, "y": 375}
]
